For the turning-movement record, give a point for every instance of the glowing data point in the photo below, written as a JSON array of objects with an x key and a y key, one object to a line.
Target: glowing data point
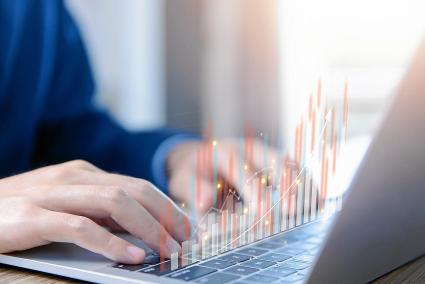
[
  {"x": 218, "y": 185},
  {"x": 328, "y": 115},
  {"x": 245, "y": 210},
  {"x": 214, "y": 143},
  {"x": 245, "y": 167},
  {"x": 263, "y": 180}
]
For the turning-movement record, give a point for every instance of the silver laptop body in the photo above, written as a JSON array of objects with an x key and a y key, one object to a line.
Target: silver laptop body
[{"x": 381, "y": 225}]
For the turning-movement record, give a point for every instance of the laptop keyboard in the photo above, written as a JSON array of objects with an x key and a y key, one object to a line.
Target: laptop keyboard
[{"x": 283, "y": 258}]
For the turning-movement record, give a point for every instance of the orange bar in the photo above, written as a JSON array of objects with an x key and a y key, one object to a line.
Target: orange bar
[
  {"x": 162, "y": 239},
  {"x": 282, "y": 191},
  {"x": 198, "y": 176},
  {"x": 345, "y": 106},
  {"x": 301, "y": 140},
  {"x": 319, "y": 92},
  {"x": 322, "y": 184},
  {"x": 296, "y": 145},
  {"x": 332, "y": 126},
  {"x": 326, "y": 179},
  {"x": 313, "y": 131},
  {"x": 310, "y": 107},
  {"x": 334, "y": 154},
  {"x": 234, "y": 229}
]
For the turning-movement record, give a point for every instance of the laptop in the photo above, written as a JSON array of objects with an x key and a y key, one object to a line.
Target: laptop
[{"x": 380, "y": 227}]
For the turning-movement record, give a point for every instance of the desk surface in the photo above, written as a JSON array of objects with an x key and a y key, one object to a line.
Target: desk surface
[{"x": 413, "y": 272}]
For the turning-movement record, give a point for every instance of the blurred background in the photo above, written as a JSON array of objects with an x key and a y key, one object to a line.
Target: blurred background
[{"x": 189, "y": 63}]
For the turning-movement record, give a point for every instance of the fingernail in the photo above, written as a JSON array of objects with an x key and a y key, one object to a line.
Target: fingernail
[
  {"x": 135, "y": 253},
  {"x": 172, "y": 246}
]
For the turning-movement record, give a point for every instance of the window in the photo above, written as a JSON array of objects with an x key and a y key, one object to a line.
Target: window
[{"x": 367, "y": 43}]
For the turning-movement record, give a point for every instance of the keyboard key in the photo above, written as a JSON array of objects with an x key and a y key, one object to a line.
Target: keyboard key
[
  {"x": 314, "y": 240},
  {"x": 303, "y": 258},
  {"x": 258, "y": 263},
  {"x": 218, "y": 278},
  {"x": 242, "y": 270},
  {"x": 279, "y": 271},
  {"x": 268, "y": 245},
  {"x": 304, "y": 246},
  {"x": 293, "y": 278},
  {"x": 274, "y": 257},
  {"x": 295, "y": 265},
  {"x": 314, "y": 251},
  {"x": 290, "y": 251},
  {"x": 191, "y": 273},
  {"x": 284, "y": 240},
  {"x": 252, "y": 251},
  {"x": 158, "y": 269},
  {"x": 261, "y": 278},
  {"x": 151, "y": 258},
  {"x": 131, "y": 267},
  {"x": 234, "y": 257},
  {"x": 218, "y": 264}
]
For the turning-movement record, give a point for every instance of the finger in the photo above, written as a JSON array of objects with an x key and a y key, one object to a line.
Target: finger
[
  {"x": 102, "y": 202},
  {"x": 160, "y": 206},
  {"x": 63, "y": 227}
]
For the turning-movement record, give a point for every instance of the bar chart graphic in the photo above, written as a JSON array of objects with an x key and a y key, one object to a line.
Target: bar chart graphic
[{"x": 289, "y": 191}]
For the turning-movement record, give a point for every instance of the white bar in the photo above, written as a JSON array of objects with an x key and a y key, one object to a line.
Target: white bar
[
  {"x": 194, "y": 253},
  {"x": 234, "y": 230},
  {"x": 214, "y": 233},
  {"x": 300, "y": 190},
  {"x": 292, "y": 213},
  {"x": 251, "y": 212},
  {"x": 339, "y": 202},
  {"x": 204, "y": 242},
  {"x": 174, "y": 260},
  {"x": 242, "y": 228},
  {"x": 276, "y": 214},
  {"x": 189, "y": 252},
  {"x": 185, "y": 252},
  {"x": 313, "y": 201},
  {"x": 211, "y": 220},
  {"x": 224, "y": 228},
  {"x": 284, "y": 214},
  {"x": 307, "y": 202}
]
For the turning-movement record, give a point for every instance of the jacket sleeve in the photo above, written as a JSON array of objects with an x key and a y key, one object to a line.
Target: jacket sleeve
[{"x": 73, "y": 127}]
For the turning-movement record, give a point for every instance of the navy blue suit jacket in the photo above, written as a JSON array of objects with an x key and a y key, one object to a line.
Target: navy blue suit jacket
[{"x": 47, "y": 113}]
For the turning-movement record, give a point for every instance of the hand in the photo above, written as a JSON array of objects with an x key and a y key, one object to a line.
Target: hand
[
  {"x": 184, "y": 174},
  {"x": 68, "y": 202}
]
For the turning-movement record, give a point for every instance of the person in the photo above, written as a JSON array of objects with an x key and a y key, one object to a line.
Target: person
[{"x": 69, "y": 172}]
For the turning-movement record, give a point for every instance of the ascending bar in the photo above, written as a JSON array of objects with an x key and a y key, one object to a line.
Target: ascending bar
[
  {"x": 194, "y": 253},
  {"x": 313, "y": 206},
  {"x": 185, "y": 252},
  {"x": 224, "y": 229},
  {"x": 307, "y": 201},
  {"x": 174, "y": 260},
  {"x": 234, "y": 230},
  {"x": 292, "y": 211},
  {"x": 214, "y": 237},
  {"x": 284, "y": 217},
  {"x": 300, "y": 198},
  {"x": 242, "y": 234},
  {"x": 205, "y": 245}
]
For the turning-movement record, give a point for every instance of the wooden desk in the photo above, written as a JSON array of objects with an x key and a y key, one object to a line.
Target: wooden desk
[{"x": 413, "y": 272}]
